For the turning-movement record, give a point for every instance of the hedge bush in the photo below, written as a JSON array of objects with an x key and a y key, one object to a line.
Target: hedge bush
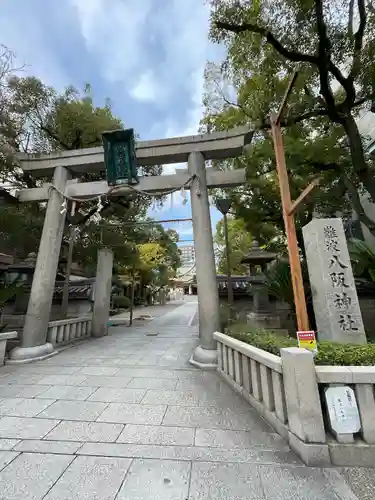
[
  {"x": 329, "y": 353},
  {"x": 120, "y": 301}
]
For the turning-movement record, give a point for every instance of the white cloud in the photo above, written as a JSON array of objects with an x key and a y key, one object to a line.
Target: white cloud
[
  {"x": 157, "y": 49},
  {"x": 114, "y": 32},
  {"x": 146, "y": 88}
]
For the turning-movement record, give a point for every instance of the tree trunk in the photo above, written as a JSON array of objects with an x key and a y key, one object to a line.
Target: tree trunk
[{"x": 357, "y": 154}]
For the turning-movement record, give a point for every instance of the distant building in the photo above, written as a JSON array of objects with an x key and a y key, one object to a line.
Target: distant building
[{"x": 187, "y": 255}]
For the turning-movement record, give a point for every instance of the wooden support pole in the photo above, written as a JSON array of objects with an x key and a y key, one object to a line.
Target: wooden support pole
[
  {"x": 297, "y": 203},
  {"x": 290, "y": 229}
]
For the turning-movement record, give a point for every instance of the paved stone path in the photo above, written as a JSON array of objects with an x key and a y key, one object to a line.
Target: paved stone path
[
  {"x": 154, "y": 311},
  {"x": 125, "y": 417}
]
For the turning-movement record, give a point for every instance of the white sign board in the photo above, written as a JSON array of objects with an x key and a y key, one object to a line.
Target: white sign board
[{"x": 342, "y": 409}]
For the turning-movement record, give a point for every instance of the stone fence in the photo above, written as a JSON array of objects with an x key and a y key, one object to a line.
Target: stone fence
[
  {"x": 289, "y": 393},
  {"x": 66, "y": 331}
]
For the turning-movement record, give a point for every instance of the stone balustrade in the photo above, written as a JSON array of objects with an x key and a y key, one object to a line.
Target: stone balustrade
[
  {"x": 257, "y": 375},
  {"x": 4, "y": 336},
  {"x": 289, "y": 393},
  {"x": 68, "y": 330}
]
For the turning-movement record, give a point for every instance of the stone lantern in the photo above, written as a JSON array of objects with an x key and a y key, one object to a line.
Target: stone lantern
[{"x": 261, "y": 315}]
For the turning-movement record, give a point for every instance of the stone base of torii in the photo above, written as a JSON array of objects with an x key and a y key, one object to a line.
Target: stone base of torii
[{"x": 195, "y": 150}]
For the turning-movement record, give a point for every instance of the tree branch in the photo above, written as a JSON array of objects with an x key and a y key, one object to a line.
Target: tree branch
[
  {"x": 277, "y": 45},
  {"x": 324, "y": 58},
  {"x": 288, "y": 122},
  {"x": 358, "y": 41},
  {"x": 357, "y": 205},
  {"x": 271, "y": 39},
  {"x": 350, "y": 21},
  {"x": 54, "y": 136}
]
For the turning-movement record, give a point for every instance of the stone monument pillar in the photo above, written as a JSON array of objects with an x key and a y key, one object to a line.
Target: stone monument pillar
[
  {"x": 102, "y": 296},
  {"x": 205, "y": 355},
  {"x": 336, "y": 306},
  {"x": 33, "y": 339}
]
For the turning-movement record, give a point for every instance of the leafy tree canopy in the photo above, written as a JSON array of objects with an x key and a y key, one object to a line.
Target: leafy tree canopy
[
  {"x": 35, "y": 118},
  {"x": 239, "y": 242},
  {"x": 332, "y": 44}
]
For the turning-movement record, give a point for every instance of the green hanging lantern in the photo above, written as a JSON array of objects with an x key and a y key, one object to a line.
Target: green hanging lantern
[{"x": 119, "y": 157}]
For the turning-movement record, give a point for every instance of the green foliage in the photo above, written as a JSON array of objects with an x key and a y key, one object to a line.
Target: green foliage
[
  {"x": 279, "y": 282},
  {"x": 120, "y": 302},
  {"x": 35, "y": 118},
  {"x": 20, "y": 230},
  {"x": 239, "y": 243},
  {"x": 265, "y": 41},
  {"x": 227, "y": 315},
  {"x": 329, "y": 353},
  {"x": 363, "y": 259},
  {"x": 9, "y": 291}
]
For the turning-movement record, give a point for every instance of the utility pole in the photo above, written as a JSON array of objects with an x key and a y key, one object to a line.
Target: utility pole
[{"x": 223, "y": 205}]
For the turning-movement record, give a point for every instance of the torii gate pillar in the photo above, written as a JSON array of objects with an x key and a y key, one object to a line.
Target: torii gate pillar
[
  {"x": 205, "y": 355},
  {"x": 33, "y": 339}
]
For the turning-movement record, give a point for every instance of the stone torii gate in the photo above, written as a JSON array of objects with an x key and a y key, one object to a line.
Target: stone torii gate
[{"x": 64, "y": 168}]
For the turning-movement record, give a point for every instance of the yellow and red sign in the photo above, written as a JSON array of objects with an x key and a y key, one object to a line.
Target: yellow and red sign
[{"x": 307, "y": 340}]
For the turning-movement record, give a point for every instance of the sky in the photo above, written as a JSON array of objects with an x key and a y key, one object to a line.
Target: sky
[{"x": 147, "y": 56}]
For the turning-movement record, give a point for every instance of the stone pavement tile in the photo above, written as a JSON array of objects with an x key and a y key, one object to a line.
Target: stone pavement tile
[
  {"x": 114, "y": 395},
  {"x": 194, "y": 453},
  {"x": 62, "y": 380},
  {"x": 226, "y": 481},
  {"x": 5, "y": 458},
  {"x": 30, "y": 476},
  {"x": 130, "y": 361},
  {"x": 74, "y": 410},
  {"x": 176, "y": 398},
  {"x": 152, "y": 434},
  {"x": 217, "y": 438},
  {"x": 214, "y": 418},
  {"x": 196, "y": 398},
  {"x": 146, "y": 372},
  {"x": 8, "y": 444},
  {"x": 21, "y": 391},
  {"x": 99, "y": 371},
  {"x": 25, "y": 428},
  {"x": 21, "y": 407},
  {"x": 152, "y": 383},
  {"x": 86, "y": 432},
  {"x": 133, "y": 414},
  {"x": 49, "y": 370},
  {"x": 21, "y": 379},
  {"x": 106, "y": 381},
  {"x": 149, "y": 361},
  {"x": 198, "y": 384},
  {"x": 101, "y": 361},
  {"x": 297, "y": 483},
  {"x": 94, "y": 478},
  {"x": 156, "y": 480},
  {"x": 360, "y": 480},
  {"x": 67, "y": 392},
  {"x": 56, "y": 447}
]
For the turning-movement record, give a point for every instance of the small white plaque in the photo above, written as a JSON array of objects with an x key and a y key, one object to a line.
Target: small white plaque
[{"x": 342, "y": 409}]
